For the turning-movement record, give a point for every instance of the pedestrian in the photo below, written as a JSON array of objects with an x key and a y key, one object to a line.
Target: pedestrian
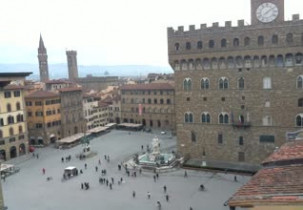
[
  {"x": 121, "y": 180},
  {"x": 112, "y": 180},
  {"x": 140, "y": 170},
  {"x": 62, "y": 160},
  {"x": 148, "y": 195},
  {"x": 37, "y": 156},
  {"x": 142, "y": 147},
  {"x": 167, "y": 197},
  {"x": 135, "y": 174},
  {"x": 85, "y": 166},
  {"x": 157, "y": 175},
  {"x": 105, "y": 157},
  {"x": 82, "y": 186},
  {"x": 110, "y": 186},
  {"x": 235, "y": 179},
  {"x": 108, "y": 159},
  {"x": 185, "y": 174},
  {"x": 159, "y": 205},
  {"x": 34, "y": 154},
  {"x": 154, "y": 178},
  {"x": 134, "y": 194},
  {"x": 3, "y": 177},
  {"x": 43, "y": 171},
  {"x": 96, "y": 168},
  {"x": 99, "y": 162},
  {"x": 190, "y": 208},
  {"x": 164, "y": 188},
  {"x": 81, "y": 172}
]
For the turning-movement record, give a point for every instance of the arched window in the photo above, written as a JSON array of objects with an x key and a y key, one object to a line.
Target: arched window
[
  {"x": 199, "y": 45},
  {"x": 236, "y": 42},
  {"x": 230, "y": 62},
  {"x": 205, "y": 117},
  {"x": 188, "y": 117},
  {"x": 193, "y": 136},
  {"x": 241, "y": 83},
  {"x": 289, "y": 38},
  {"x": 246, "y": 41},
  {"x": 239, "y": 62},
  {"x": 264, "y": 61},
  {"x": 223, "y": 43},
  {"x": 20, "y": 129},
  {"x": 223, "y": 118},
  {"x": 168, "y": 101},
  {"x": 299, "y": 120},
  {"x": 11, "y": 131},
  {"x": 10, "y": 120},
  {"x": 280, "y": 61},
  {"x": 161, "y": 101},
  {"x": 260, "y": 40},
  {"x": 211, "y": 44},
  {"x": 204, "y": 83},
  {"x": 177, "y": 46},
  {"x": 8, "y": 107},
  {"x": 188, "y": 45},
  {"x": 300, "y": 81},
  {"x": 274, "y": 39},
  {"x": 256, "y": 61},
  {"x": 298, "y": 59},
  {"x": 289, "y": 60},
  {"x": 223, "y": 83},
  {"x": 206, "y": 63},
  {"x": 149, "y": 101},
  {"x": 300, "y": 102},
  {"x": 214, "y": 63},
  {"x": 222, "y": 64},
  {"x": 187, "y": 84},
  {"x": 18, "y": 107},
  {"x": 271, "y": 61},
  {"x": 247, "y": 62}
]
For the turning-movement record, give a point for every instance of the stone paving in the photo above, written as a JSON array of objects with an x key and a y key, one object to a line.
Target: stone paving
[{"x": 29, "y": 189}]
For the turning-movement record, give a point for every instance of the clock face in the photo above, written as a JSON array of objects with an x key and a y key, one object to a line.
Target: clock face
[{"x": 267, "y": 12}]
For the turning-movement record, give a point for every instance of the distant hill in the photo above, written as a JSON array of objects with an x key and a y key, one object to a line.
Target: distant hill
[{"x": 60, "y": 70}]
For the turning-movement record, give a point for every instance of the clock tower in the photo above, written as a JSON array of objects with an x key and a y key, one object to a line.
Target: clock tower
[
  {"x": 267, "y": 11},
  {"x": 42, "y": 58}
]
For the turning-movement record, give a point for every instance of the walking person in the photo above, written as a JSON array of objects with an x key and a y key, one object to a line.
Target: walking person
[
  {"x": 134, "y": 194},
  {"x": 164, "y": 188},
  {"x": 235, "y": 179},
  {"x": 148, "y": 195},
  {"x": 85, "y": 166},
  {"x": 185, "y": 174},
  {"x": 96, "y": 168},
  {"x": 43, "y": 171},
  {"x": 82, "y": 186},
  {"x": 167, "y": 197},
  {"x": 159, "y": 205}
]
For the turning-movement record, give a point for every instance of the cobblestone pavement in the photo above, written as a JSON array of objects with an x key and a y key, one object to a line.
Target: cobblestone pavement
[{"x": 30, "y": 190}]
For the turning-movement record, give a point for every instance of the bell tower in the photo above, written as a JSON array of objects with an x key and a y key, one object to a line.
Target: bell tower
[
  {"x": 267, "y": 11},
  {"x": 42, "y": 58}
]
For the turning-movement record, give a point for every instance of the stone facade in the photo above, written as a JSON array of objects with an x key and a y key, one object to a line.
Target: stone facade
[
  {"x": 72, "y": 65},
  {"x": 152, "y": 105},
  {"x": 238, "y": 89},
  {"x": 72, "y": 119},
  {"x": 96, "y": 83}
]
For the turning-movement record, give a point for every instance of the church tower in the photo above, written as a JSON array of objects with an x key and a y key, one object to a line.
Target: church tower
[
  {"x": 43, "y": 65},
  {"x": 72, "y": 64}
]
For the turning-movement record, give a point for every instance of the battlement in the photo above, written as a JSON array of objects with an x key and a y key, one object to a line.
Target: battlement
[
  {"x": 71, "y": 52},
  {"x": 215, "y": 27}
]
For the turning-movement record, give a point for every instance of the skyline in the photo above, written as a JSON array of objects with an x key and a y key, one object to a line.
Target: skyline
[{"x": 132, "y": 32}]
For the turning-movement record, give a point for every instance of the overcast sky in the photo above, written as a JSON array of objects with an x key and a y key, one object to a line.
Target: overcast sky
[{"x": 109, "y": 32}]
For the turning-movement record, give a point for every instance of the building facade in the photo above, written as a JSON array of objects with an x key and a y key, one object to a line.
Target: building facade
[
  {"x": 72, "y": 120},
  {"x": 43, "y": 117},
  {"x": 149, "y": 104},
  {"x": 238, "y": 88},
  {"x": 42, "y": 58},
  {"x": 89, "y": 110}
]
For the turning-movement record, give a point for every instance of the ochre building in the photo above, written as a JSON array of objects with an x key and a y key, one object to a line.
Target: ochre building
[
  {"x": 238, "y": 88},
  {"x": 149, "y": 104}
]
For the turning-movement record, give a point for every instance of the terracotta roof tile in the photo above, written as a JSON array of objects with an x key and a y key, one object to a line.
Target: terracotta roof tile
[
  {"x": 42, "y": 94},
  {"x": 58, "y": 81},
  {"x": 13, "y": 87},
  {"x": 68, "y": 89},
  {"x": 150, "y": 86}
]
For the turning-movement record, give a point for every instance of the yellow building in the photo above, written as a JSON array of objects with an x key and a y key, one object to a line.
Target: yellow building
[{"x": 43, "y": 117}]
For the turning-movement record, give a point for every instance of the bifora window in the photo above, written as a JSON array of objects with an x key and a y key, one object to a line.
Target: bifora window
[
  {"x": 205, "y": 117},
  {"x": 188, "y": 117},
  {"x": 187, "y": 84}
]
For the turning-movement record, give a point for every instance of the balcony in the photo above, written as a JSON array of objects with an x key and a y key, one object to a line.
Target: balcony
[{"x": 243, "y": 125}]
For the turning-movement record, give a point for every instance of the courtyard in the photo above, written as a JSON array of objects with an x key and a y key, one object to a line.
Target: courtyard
[{"x": 30, "y": 190}]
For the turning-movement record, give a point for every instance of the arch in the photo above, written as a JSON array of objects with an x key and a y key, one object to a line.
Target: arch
[
  {"x": 177, "y": 46},
  {"x": 13, "y": 152},
  {"x": 280, "y": 61},
  {"x": 236, "y": 42},
  {"x": 246, "y": 41},
  {"x": 8, "y": 107},
  {"x": 206, "y": 63},
  {"x": 260, "y": 40},
  {"x": 191, "y": 64},
  {"x": 214, "y": 63},
  {"x": 205, "y": 117},
  {"x": 300, "y": 81},
  {"x": 241, "y": 83},
  {"x": 20, "y": 129},
  {"x": 299, "y": 120},
  {"x": 247, "y": 62},
  {"x": 10, "y": 120},
  {"x": 3, "y": 155},
  {"x": 264, "y": 61},
  {"x": 177, "y": 65},
  {"x": 275, "y": 39},
  {"x": 230, "y": 62},
  {"x": 289, "y": 38},
  {"x": 18, "y": 107},
  {"x": 256, "y": 61},
  {"x": 223, "y": 83},
  {"x": 222, "y": 63},
  {"x": 271, "y": 61},
  {"x": 239, "y": 62},
  {"x": 199, "y": 45},
  {"x": 22, "y": 150},
  {"x": 184, "y": 65},
  {"x": 188, "y": 45},
  {"x": 289, "y": 60},
  {"x": 204, "y": 83},
  {"x": 198, "y": 64},
  {"x": 299, "y": 59},
  {"x": 187, "y": 84},
  {"x": 223, "y": 43}
]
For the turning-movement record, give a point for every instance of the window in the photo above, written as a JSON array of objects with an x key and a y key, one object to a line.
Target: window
[
  {"x": 187, "y": 84},
  {"x": 289, "y": 38},
  {"x": 223, "y": 43},
  {"x": 211, "y": 44},
  {"x": 241, "y": 156},
  {"x": 1, "y": 122},
  {"x": 241, "y": 83},
  {"x": 246, "y": 41},
  {"x": 205, "y": 118},
  {"x": 188, "y": 46},
  {"x": 11, "y": 131},
  {"x": 20, "y": 129},
  {"x": 38, "y": 103},
  {"x": 267, "y": 139},
  {"x": 39, "y": 114},
  {"x": 28, "y": 103},
  {"x": 223, "y": 83},
  {"x": 236, "y": 42},
  {"x": 274, "y": 39},
  {"x": 29, "y": 114},
  {"x": 300, "y": 102},
  {"x": 168, "y": 101},
  {"x": 8, "y": 108},
  {"x": 260, "y": 40},
  {"x": 10, "y": 120},
  {"x": 199, "y": 45},
  {"x": 177, "y": 46},
  {"x": 39, "y": 125},
  {"x": 7, "y": 94},
  {"x": 48, "y": 112},
  {"x": 205, "y": 83},
  {"x": 241, "y": 140},
  {"x": 19, "y": 118},
  {"x": 1, "y": 134},
  {"x": 267, "y": 121},
  {"x": 223, "y": 118},
  {"x": 266, "y": 83},
  {"x": 299, "y": 120},
  {"x": 17, "y": 93},
  {"x": 220, "y": 138},
  {"x": 300, "y": 81},
  {"x": 193, "y": 136},
  {"x": 18, "y": 107},
  {"x": 155, "y": 101},
  {"x": 149, "y": 101},
  {"x": 161, "y": 101},
  {"x": 188, "y": 117}
]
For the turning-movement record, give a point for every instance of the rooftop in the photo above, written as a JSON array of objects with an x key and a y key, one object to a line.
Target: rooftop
[
  {"x": 42, "y": 94},
  {"x": 150, "y": 86},
  {"x": 68, "y": 89},
  {"x": 13, "y": 87}
]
